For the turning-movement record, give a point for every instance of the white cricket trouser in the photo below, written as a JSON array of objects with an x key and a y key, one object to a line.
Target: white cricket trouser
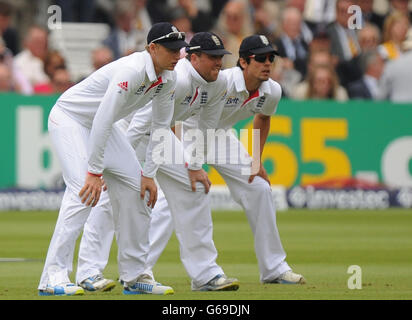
[
  {"x": 122, "y": 176},
  {"x": 255, "y": 198},
  {"x": 96, "y": 241},
  {"x": 98, "y": 231},
  {"x": 191, "y": 219}
]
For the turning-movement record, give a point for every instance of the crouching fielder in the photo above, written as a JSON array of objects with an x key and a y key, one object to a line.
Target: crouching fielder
[
  {"x": 89, "y": 147},
  {"x": 199, "y": 90},
  {"x": 250, "y": 92}
]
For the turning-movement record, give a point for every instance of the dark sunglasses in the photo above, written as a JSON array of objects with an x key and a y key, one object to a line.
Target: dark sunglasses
[
  {"x": 171, "y": 36},
  {"x": 262, "y": 57}
]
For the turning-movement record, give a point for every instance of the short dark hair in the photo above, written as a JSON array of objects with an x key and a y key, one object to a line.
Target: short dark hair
[
  {"x": 189, "y": 54},
  {"x": 247, "y": 59}
]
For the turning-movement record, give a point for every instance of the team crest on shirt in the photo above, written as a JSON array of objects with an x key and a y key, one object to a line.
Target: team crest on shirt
[
  {"x": 140, "y": 90},
  {"x": 159, "y": 87},
  {"x": 203, "y": 97},
  {"x": 259, "y": 105}
]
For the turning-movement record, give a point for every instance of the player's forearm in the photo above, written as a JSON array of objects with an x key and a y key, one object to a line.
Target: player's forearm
[
  {"x": 99, "y": 134},
  {"x": 196, "y": 158},
  {"x": 262, "y": 123},
  {"x": 98, "y": 140}
]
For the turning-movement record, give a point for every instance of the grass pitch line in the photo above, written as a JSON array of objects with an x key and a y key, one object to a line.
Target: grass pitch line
[{"x": 16, "y": 260}]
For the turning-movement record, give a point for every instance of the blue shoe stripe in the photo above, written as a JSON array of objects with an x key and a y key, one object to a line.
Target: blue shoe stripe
[
  {"x": 142, "y": 287},
  {"x": 125, "y": 291},
  {"x": 139, "y": 288},
  {"x": 89, "y": 286},
  {"x": 57, "y": 291}
]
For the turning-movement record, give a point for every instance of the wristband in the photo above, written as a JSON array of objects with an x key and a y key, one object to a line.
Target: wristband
[{"x": 95, "y": 174}]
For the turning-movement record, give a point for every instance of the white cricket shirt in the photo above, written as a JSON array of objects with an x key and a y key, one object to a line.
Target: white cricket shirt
[
  {"x": 239, "y": 105},
  {"x": 113, "y": 92},
  {"x": 193, "y": 96}
]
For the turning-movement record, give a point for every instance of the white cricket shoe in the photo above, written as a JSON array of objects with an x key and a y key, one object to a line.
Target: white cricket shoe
[
  {"x": 218, "y": 283},
  {"x": 145, "y": 284},
  {"x": 97, "y": 283},
  {"x": 289, "y": 277},
  {"x": 63, "y": 289}
]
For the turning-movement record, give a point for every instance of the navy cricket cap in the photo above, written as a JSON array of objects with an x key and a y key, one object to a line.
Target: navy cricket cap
[
  {"x": 256, "y": 44},
  {"x": 208, "y": 43},
  {"x": 167, "y": 35}
]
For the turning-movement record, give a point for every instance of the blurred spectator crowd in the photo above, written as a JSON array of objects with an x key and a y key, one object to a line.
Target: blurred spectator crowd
[{"x": 320, "y": 56}]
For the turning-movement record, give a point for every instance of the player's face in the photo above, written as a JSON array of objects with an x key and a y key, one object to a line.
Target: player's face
[
  {"x": 164, "y": 58},
  {"x": 258, "y": 68},
  {"x": 207, "y": 66}
]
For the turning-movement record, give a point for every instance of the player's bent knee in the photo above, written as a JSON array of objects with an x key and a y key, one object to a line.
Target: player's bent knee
[{"x": 260, "y": 184}]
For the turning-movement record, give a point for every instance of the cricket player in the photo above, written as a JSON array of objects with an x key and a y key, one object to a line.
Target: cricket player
[
  {"x": 90, "y": 148},
  {"x": 199, "y": 91},
  {"x": 250, "y": 92}
]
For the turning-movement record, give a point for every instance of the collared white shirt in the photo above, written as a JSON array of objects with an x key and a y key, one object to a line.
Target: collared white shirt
[
  {"x": 239, "y": 105},
  {"x": 193, "y": 96},
  {"x": 112, "y": 93}
]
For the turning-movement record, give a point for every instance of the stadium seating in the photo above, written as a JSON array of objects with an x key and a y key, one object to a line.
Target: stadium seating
[{"x": 76, "y": 41}]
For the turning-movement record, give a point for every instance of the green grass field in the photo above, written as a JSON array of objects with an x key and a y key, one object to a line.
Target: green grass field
[{"x": 319, "y": 244}]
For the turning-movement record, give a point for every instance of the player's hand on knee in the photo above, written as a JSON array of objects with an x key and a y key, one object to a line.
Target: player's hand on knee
[
  {"x": 90, "y": 193},
  {"x": 149, "y": 185},
  {"x": 261, "y": 173},
  {"x": 199, "y": 176}
]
